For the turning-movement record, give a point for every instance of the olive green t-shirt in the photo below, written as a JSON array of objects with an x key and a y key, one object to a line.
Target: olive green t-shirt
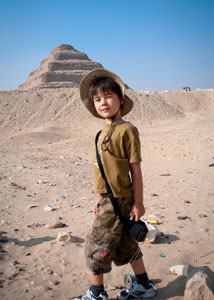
[{"x": 123, "y": 148}]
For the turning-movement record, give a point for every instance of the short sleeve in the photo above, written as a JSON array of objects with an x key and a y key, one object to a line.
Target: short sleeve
[{"x": 132, "y": 144}]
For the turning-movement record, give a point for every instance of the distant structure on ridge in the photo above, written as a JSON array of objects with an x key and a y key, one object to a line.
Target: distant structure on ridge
[
  {"x": 186, "y": 89},
  {"x": 63, "y": 68}
]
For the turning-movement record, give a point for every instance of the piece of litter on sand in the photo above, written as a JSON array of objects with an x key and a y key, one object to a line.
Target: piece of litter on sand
[
  {"x": 162, "y": 255},
  {"x": 165, "y": 174},
  {"x": 151, "y": 221},
  {"x": 182, "y": 218}
]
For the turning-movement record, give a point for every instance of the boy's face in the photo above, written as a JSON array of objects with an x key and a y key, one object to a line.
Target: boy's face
[{"x": 107, "y": 104}]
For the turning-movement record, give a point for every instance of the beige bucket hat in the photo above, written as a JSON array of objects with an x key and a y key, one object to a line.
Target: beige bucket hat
[{"x": 86, "y": 83}]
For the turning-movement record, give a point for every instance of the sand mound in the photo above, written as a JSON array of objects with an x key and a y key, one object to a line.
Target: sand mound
[{"x": 41, "y": 108}]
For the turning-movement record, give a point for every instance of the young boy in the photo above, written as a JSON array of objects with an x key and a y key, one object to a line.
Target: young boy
[{"x": 103, "y": 94}]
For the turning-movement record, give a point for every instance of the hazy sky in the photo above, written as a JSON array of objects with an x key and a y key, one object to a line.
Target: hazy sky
[{"x": 152, "y": 45}]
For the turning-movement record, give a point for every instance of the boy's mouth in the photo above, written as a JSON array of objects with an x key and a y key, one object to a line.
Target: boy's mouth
[{"x": 105, "y": 109}]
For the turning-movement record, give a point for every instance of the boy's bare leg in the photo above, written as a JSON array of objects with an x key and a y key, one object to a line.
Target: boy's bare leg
[
  {"x": 96, "y": 279},
  {"x": 138, "y": 266}
]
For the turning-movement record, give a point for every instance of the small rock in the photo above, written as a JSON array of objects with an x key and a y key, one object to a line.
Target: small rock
[
  {"x": 165, "y": 174},
  {"x": 64, "y": 237},
  {"x": 182, "y": 218},
  {"x": 55, "y": 282},
  {"x": 2, "y": 232},
  {"x": 187, "y": 201},
  {"x": 181, "y": 270},
  {"x": 202, "y": 216},
  {"x": 14, "y": 263},
  {"x": 48, "y": 271},
  {"x": 49, "y": 207},
  {"x": 42, "y": 182},
  {"x": 22, "y": 167},
  {"x": 32, "y": 206},
  {"x": 55, "y": 225},
  {"x": 46, "y": 288}
]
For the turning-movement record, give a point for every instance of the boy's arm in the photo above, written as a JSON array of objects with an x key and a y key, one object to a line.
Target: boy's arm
[{"x": 138, "y": 209}]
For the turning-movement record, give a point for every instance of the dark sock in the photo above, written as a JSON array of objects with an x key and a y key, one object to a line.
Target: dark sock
[
  {"x": 97, "y": 289},
  {"x": 143, "y": 279}
]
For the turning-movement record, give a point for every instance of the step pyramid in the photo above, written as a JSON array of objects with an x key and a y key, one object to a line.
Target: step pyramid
[{"x": 63, "y": 68}]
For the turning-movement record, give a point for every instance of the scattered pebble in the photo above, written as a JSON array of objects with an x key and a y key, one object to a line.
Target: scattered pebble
[
  {"x": 50, "y": 207},
  {"x": 54, "y": 225},
  {"x": 64, "y": 237},
  {"x": 187, "y": 201},
  {"x": 202, "y": 216},
  {"x": 2, "y": 232},
  {"x": 22, "y": 167},
  {"x": 42, "y": 182},
  {"x": 55, "y": 282},
  {"x": 48, "y": 271},
  {"x": 14, "y": 263},
  {"x": 32, "y": 206},
  {"x": 182, "y": 218},
  {"x": 165, "y": 174},
  {"x": 3, "y": 239}
]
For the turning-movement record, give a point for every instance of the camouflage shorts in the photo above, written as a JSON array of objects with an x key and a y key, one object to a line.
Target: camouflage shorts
[{"x": 107, "y": 240}]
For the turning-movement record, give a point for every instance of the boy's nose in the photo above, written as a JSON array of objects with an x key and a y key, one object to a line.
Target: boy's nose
[{"x": 103, "y": 100}]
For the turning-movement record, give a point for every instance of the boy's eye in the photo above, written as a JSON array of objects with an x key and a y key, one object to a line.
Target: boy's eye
[{"x": 96, "y": 99}]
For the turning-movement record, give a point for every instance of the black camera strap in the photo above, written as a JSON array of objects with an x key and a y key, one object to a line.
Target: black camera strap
[{"x": 108, "y": 188}]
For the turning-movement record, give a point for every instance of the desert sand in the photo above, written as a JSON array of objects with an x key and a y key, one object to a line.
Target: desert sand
[{"x": 46, "y": 150}]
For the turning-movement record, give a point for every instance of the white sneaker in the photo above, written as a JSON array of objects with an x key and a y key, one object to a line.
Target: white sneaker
[
  {"x": 90, "y": 296},
  {"x": 137, "y": 291}
]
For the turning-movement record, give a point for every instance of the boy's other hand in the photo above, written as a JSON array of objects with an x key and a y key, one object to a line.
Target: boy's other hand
[
  {"x": 137, "y": 212},
  {"x": 95, "y": 204},
  {"x": 95, "y": 208}
]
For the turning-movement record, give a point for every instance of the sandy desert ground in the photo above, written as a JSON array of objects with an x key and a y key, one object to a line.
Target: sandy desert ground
[{"x": 46, "y": 153}]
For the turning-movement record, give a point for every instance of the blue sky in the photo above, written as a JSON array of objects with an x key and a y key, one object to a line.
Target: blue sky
[{"x": 153, "y": 45}]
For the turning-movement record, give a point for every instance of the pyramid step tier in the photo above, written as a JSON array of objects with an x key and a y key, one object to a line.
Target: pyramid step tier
[
  {"x": 66, "y": 65},
  {"x": 65, "y": 55},
  {"x": 55, "y": 76}
]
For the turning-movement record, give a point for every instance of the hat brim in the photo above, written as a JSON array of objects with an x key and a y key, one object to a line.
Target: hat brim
[{"x": 86, "y": 83}]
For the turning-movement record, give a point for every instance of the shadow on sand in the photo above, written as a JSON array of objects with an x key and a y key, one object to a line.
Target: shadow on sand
[{"x": 173, "y": 289}]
